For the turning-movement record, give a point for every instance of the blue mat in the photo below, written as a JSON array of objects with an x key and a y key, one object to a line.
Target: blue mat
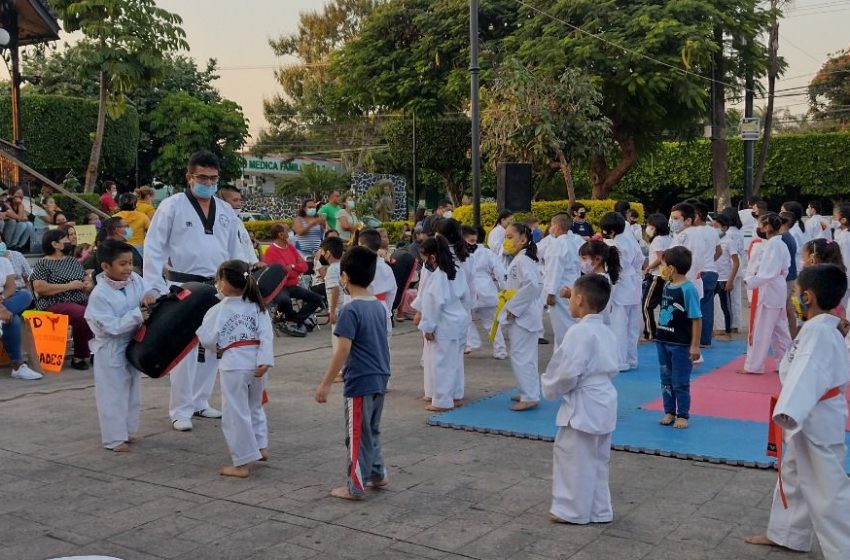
[{"x": 717, "y": 440}]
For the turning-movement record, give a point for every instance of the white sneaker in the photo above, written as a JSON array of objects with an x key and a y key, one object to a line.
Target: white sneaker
[
  {"x": 699, "y": 360},
  {"x": 209, "y": 413},
  {"x": 24, "y": 372},
  {"x": 500, "y": 356},
  {"x": 182, "y": 424}
]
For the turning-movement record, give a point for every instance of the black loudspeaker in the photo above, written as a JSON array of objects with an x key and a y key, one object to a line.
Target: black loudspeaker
[{"x": 513, "y": 187}]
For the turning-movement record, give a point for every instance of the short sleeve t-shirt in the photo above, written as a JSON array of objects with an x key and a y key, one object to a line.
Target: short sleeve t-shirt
[
  {"x": 59, "y": 271},
  {"x": 332, "y": 281},
  {"x": 659, "y": 244},
  {"x": 582, "y": 229},
  {"x": 6, "y": 270},
  {"x": 679, "y": 307},
  {"x": 367, "y": 369},
  {"x": 329, "y": 211}
]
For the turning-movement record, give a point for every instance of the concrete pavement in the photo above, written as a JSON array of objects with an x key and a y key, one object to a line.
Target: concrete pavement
[{"x": 453, "y": 494}]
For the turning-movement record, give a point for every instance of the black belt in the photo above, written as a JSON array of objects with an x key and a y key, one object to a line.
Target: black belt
[{"x": 182, "y": 277}]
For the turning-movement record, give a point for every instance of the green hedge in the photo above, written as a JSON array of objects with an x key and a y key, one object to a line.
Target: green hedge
[
  {"x": 75, "y": 211},
  {"x": 544, "y": 210},
  {"x": 811, "y": 165},
  {"x": 58, "y": 131},
  {"x": 262, "y": 228}
]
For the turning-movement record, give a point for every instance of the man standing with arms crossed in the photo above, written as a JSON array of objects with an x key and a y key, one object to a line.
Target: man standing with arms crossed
[{"x": 191, "y": 234}]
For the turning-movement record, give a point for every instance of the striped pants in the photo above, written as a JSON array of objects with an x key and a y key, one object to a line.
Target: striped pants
[{"x": 363, "y": 440}]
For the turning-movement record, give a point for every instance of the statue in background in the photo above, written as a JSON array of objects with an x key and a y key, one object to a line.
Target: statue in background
[{"x": 384, "y": 205}]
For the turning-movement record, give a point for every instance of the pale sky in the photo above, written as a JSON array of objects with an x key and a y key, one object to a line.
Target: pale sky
[{"x": 237, "y": 32}]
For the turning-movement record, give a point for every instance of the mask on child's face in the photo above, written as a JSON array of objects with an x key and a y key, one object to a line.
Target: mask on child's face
[
  {"x": 586, "y": 266},
  {"x": 800, "y": 307},
  {"x": 508, "y": 247},
  {"x": 650, "y": 231},
  {"x": 471, "y": 247},
  {"x": 666, "y": 272}
]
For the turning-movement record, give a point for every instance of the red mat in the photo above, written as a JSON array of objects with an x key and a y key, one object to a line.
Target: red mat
[{"x": 724, "y": 393}]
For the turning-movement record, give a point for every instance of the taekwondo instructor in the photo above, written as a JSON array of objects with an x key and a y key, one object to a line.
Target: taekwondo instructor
[{"x": 191, "y": 234}]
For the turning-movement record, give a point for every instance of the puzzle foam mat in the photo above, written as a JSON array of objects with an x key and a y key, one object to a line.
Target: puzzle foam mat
[{"x": 728, "y": 423}]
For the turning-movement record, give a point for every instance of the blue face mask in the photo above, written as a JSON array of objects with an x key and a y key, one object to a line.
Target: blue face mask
[
  {"x": 128, "y": 232},
  {"x": 2, "y": 248},
  {"x": 201, "y": 190},
  {"x": 97, "y": 224}
]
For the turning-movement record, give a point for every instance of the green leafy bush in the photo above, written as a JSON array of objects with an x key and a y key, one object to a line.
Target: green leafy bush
[
  {"x": 75, "y": 211},
  {"x": 544, "y": 210},
  {"x": 57, "y": 133}
]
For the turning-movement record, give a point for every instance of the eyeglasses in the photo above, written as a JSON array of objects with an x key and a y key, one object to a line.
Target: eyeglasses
[{"x": 206, "y": 178}]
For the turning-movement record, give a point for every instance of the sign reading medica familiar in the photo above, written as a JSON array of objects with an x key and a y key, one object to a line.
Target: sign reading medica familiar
[{"x": 271, "y": 165}]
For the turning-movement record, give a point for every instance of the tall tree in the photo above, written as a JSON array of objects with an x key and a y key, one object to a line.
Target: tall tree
[
  {"x": 531, "y": 116},
  {"x": 188, "y": 124},
  {"x": 652, "y": 59},
  {"x": 829, "y": 90},
  {"x": 125, "y": 42}
]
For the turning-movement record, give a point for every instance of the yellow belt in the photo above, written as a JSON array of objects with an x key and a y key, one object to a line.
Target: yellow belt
[{"x": 504, "y": 297}]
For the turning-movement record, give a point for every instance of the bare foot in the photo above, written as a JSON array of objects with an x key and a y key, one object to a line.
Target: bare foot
[
  {"x": 378, "y": 483},
  {"x": 527, "y": 405},
  {"x": 134, "y": 439},
  {"x": 515, "y": 398},
  {"x": 761, "y": 540},
  {"x": 238, "y": 472},
  {"x": 680, "y": 423},
  {"x": 343, "y": 493},
  {"x": 433, "y": 408},
  {"x": 745, "y": 372},
  {"x": 467, "y": 351},
  {"x": 667, "y": 420},
  {"x": 426, "y": 399},
  {"x": 459, "y": 403},
  {"x": 264, "y": 454},
  {"x": 555, "y": 519},
  {"x": 121, "y": 448}
]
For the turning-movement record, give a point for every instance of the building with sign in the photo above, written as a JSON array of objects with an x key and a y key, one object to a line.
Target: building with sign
[{"x": 261, "y": 173}]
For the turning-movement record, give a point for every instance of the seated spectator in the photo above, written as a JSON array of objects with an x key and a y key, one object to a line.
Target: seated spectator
[
  {"x": 19, "y": 264},
  {"x": 137, "y": 222},
  {"x": 116, "y": 229},
  {"x": 24, "y": 231},
  {"x": 284, "y": 253},
  {"x": 93, "y": 220},
  {"x": 144, "y": 201},
  {"x": 62, "y": 286},
  {"x": 14, "y": 300},
  {"x": 60, "y": 219}
]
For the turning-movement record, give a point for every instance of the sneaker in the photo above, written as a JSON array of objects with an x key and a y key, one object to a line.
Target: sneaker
[
  {"x": 500, "y": 356},
  {"x": 293, "y": 330},
  {"x": 182, "y": 425},
  {"x": 209, "y": 413},
  {"x": 699, "y": 360},
  {"x": 24, "y": 372},
  {"x": 542, "y": 341}
]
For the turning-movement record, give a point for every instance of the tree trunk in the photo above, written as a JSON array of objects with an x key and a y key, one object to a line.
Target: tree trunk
[
  {"x": 772, "y": 70},
  {"x": 719, "y": 163},
  {"x": 568, "y": 176},
  {"x": 602, "y": 179},
  {"x": 97, "y": 146},
  {"x": 454, "y": 190}
]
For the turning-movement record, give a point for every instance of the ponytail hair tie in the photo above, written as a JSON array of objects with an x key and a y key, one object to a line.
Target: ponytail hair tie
[{"x": 245, "y": 274}]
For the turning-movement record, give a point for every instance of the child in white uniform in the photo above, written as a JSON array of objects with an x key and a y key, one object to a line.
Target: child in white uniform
[
  {"x": 770, "y": 322},
  {"x": 522, "y": 315},
  {"x": 626, "y": 295},
  {"x": 597, "y": 257},
  {"x": 812, "y": 497},
  {"x": 445, "y": 304},
  {"x": 561, "y": 272},
  {"x": 488, "y": 277},
  {"x": 842, "y": 237},
  {"x": 580, "y": 374},
  {"x": 239, "y": 330},
  {"x": 117, "y": 307}
]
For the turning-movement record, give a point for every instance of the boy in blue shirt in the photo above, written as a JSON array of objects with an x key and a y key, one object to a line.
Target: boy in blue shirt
[
  {"x": 363, "y": 354},
  {"x": 677, "y": 336}
]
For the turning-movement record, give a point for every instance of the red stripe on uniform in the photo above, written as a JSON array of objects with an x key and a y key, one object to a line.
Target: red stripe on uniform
[
  {"x": 753, "y": 307},
  {"x": 355, "y": 422}
]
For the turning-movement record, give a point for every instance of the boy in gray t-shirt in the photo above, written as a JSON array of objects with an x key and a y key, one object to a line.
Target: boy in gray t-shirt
[{"x": 363, "y": 353}]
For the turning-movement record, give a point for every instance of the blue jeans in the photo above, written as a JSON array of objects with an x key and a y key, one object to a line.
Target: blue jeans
[
  {"x": 16, "y": 304},
  {"x": 675, "y": 364},
  {"x": 706, "y": 305}
]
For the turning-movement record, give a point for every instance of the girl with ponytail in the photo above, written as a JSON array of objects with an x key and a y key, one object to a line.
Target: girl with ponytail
[
  {"x": 521, "y": 314},
  {"x": 597, "y": 257},
  {"x": 444, "y": 302},
  {"x": 239, "y": 330}
]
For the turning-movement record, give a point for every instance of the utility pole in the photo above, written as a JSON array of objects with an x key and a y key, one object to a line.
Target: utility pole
[
  {"x": 476, "y": 112},
  {"x": 413, "y": 174},
  {"x": 749, "y": 145}
]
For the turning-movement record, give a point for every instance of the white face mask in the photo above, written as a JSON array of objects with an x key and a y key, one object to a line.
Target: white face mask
[
  {"x": 447, "y": 214},
  {"x": 676, "y": 225},
  {"x": 810, "y": 211},
  {"x": 349, "y": 204},
  {"x": 650, "y": 231},
  {"x": 586, "y": 266},
  {"x": 311, "y": 212}
]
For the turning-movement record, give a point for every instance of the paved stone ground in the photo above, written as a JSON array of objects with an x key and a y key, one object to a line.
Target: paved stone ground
[{"x": 453, "y": 494}]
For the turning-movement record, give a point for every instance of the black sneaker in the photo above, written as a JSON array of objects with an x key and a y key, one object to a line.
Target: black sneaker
[
  {"x": 81, "y": 365},
  {"x": 309, "y": 324},
  {"x": 542, "y": 341}
]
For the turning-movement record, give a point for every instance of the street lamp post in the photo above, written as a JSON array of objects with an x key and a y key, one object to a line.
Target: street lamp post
[{"x": 476, "y": 112}]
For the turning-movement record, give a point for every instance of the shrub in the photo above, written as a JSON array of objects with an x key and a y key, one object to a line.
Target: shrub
[
  {"x": 544, "y": 210},
  {"x": 262, "y": 228}
]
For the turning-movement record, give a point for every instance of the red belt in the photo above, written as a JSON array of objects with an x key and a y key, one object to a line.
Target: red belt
[
  {"x": 382, "y": 296},
  {"x": 237, "y": 344},
  {"x": 775, "y": 437}
]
